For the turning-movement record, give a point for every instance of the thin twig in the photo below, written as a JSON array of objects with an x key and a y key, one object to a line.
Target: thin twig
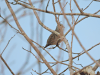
[
  {"x": 83, "y": 52},
  {"x": 8, "y": 44},
  {"x": 6, "y": 65},
  {"x": 79, "y": 21},
  {"x": 47, "y": 4},
  {"x": 11, "y": 25},
  {"x": 88, "y": 5},
  {"x": 86, "y": 50},
  {"x": 63, "y": 71},
  {"x": 78, "y": 7},
  {"x": 32, "y": 54}
]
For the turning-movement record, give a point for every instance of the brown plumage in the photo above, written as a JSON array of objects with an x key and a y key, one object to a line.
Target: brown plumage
[{"x": 53, "y": 38}]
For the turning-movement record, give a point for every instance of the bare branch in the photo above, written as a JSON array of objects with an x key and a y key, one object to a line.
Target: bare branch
[
  {"x": 6, "y": 65},
  {"x": 78, "y": 7},
  {"x": 28, "y": 39}
]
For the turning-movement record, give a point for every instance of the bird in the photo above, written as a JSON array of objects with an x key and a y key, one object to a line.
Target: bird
[{"x": 53, "y": 38}]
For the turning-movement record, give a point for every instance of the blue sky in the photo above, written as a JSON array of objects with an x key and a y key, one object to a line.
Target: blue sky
[{"x": 88, "y": 32}]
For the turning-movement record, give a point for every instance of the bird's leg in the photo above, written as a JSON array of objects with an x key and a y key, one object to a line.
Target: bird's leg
[{"x": 58, "y": 43}]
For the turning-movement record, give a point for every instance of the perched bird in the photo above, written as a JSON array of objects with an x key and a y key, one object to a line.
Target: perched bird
[{"x": 55, "y": 39}]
